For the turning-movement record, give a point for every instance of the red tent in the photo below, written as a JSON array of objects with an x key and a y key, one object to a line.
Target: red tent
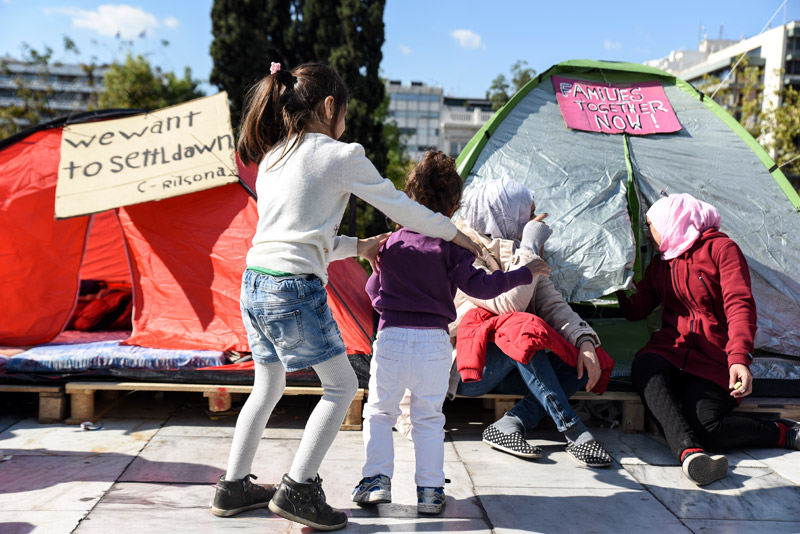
[{"x": 183, "y": 256}]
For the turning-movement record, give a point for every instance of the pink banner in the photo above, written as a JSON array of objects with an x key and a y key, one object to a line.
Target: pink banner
[{"x": 634, "y": 108}]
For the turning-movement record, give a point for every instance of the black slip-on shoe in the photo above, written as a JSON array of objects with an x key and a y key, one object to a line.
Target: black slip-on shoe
[
  {"x": 590, "y": 454},
  {"x": 514, "y": 443}
]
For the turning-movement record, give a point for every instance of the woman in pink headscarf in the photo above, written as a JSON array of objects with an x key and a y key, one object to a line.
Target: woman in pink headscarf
[{"x": 695, "y": 370}]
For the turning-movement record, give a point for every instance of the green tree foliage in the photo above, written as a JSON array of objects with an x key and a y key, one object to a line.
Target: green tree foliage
[
  {"x": 248, "y": 35},
  {"x": 33, "y": 93},
  {"x": 783, "y": 124},
  {"x": 131, "y": 84},
  {"x": 776, "y": 127},
  {"x": 346, "y": 34},
  {"x": 498, "y": 92},
  {"x": 136, "y": 84},
  {"x": 501, "y": 90},
  {"x": 521, "y": 74},
  {"x": 741, "y": 94},
  {"x": 399, "y": 164}
]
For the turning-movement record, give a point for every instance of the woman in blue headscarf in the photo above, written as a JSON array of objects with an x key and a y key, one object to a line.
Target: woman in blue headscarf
[{"x": 500, "y": 216}]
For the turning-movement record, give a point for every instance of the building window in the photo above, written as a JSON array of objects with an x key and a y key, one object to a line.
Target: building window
[
  {"x": 417, "y": 97},
  {"x": 754, "y": 53},
  {"x": 414, "y": 114}
]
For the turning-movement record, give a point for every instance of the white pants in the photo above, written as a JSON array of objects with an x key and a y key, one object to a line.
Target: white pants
[{"x": 417, "y": 360}]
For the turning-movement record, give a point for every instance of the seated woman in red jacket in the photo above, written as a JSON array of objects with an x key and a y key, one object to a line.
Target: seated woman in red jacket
[
  {"x": 500, "y": 216},
  {"x": 695, "y": 370}
]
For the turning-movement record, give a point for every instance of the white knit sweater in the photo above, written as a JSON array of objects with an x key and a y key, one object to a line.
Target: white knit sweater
[{"x": 302, "y": 199}]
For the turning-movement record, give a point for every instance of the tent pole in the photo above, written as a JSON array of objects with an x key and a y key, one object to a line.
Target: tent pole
[{"x": 247, "y": 188}]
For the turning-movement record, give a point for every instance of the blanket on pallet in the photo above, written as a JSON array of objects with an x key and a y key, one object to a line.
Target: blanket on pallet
[{"x": 76, "y": 352}]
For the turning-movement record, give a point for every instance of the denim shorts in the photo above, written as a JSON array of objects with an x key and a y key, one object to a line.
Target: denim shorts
[{"x": 288, "y": 320}]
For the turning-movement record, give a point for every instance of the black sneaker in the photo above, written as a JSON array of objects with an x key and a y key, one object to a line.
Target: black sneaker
[
  {"x": 590, "y": 454},
  {"x": 703, "y": 469},
  {"x": 511, "y": 443},
  {"x": 793, "y": 434},
  {"x": 304, "y": 502},
  {"x": 234, "y": 496}
]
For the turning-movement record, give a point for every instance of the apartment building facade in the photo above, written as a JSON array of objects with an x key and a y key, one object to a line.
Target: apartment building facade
[
  {"x": 775, "y": 53},
  {"x": 68, "y": 88},
  {"x": 429, "y": 120},
  {"x": 416, "y": 110}
]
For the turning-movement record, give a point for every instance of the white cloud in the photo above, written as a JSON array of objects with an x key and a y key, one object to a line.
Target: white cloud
[
  {"x": 109, "y": 20},
  {"x": 171, "y": 23},
  {"x": 467, "y": 39},
  {"x": 611, "y": 45},
  {"x": 404, "y": 49}
]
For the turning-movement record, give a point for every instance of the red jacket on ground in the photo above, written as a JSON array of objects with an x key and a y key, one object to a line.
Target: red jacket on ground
[
  {"x": 519, "y": 335},
  {"x": 708, "y": 311}
]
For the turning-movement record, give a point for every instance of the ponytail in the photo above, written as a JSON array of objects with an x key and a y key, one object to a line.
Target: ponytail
[{"x": 283, "y": 104}]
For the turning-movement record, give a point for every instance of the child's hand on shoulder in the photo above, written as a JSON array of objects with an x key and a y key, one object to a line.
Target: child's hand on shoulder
[
  {"x": 538, "y": 267},
  {"x": 368, "y": 249},
  {"x": 462, "y": 240}
]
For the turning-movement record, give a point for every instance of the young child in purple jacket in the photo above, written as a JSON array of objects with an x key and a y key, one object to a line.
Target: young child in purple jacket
[{"x": 413, "y": 292}]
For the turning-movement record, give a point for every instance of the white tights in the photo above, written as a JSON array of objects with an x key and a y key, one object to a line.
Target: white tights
[{"x": 339, "y": 385}]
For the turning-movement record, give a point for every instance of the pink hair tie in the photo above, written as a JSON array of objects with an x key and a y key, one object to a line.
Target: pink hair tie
[{"x": 274, "y": 67}]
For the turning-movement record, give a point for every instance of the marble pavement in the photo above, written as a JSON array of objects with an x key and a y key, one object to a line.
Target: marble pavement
[{"x": 151, "y": 466}]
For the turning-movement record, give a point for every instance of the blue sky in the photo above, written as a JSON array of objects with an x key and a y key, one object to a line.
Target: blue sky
[{"x": 460, "y": 45}]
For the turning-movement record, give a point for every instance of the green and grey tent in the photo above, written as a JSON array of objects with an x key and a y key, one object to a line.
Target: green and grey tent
[{"x": 597, "y": 186}]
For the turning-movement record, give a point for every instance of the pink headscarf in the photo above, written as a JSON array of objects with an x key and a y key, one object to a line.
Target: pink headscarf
[{"x": 680, "y": 219}]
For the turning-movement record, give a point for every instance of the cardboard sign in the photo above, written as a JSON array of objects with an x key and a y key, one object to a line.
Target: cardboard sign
[
  {"x": 634, "y": 108},
  {"x": 165, "y": 153}
]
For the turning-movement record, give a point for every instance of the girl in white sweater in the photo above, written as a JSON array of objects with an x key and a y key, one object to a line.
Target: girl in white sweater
[{"x": 290, "y": 127}]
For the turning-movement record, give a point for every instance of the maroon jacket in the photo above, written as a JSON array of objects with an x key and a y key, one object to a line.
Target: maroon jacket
[{"x": 708, "y": 311}]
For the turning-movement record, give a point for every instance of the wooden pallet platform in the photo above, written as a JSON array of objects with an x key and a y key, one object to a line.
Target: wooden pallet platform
[
  {"x": 633, "y": 412},
  {"x": 82, "y": 406},
  {"x": 52, "y": 401},
  {"x": 784, "y": 408},
  {"x": 632, "y": 407}
]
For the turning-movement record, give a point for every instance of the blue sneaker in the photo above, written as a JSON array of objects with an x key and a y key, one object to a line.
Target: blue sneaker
[
  {"x": 430, "y": 501},
  {"x": 373, "y": 490}
]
